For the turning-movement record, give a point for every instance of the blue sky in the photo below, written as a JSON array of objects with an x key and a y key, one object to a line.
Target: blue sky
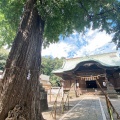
[{"x": 77, "y": 45}]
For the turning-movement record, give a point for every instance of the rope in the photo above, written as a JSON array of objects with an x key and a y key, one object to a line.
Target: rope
[{"x": 109, "y": 104}]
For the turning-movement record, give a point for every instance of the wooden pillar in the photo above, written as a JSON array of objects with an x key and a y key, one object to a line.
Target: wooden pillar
[{"x": 50, "y": 93}]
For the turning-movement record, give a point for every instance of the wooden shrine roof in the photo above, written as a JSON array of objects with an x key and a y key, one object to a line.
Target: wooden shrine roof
[{"x": 106, "y": 61}]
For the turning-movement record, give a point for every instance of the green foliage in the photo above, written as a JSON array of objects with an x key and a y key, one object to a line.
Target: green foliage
[
  {"x": 62, "y": 17},
  {"x": 49, "y": 64},
  {"x": 3, "y": 57},
  {"x": 10, "y": 12}
]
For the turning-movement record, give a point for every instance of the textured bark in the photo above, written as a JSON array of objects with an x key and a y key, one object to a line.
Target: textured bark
[{"x": 19, "y": 97}]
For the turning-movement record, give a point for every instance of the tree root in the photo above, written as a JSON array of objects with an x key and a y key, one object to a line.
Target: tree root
[{"x": 16, "y": 113}]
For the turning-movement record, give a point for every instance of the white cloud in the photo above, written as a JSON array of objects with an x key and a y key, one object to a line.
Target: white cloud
[
  {"x": 93, "y": 42},
  {"x": 98, "y": 42},
  {"x": 60, "y": 49}
]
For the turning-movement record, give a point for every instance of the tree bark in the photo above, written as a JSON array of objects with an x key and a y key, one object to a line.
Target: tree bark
[{"x": 20, "y": 97}]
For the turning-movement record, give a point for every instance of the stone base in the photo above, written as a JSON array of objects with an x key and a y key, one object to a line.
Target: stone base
[
  {"x": 72, "y": 94},
  {"x": 43, "y": 99},
  {"x": 44, "y": 104},
  {"x": 112, "y": 94},
  {"x": 111, "y": 91}
]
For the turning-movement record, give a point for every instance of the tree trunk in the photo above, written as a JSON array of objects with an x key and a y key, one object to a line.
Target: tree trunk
[{"x": 20, "y": 97}]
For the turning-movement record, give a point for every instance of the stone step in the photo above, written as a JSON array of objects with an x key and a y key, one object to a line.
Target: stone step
[{"x": 112, "y": 95}]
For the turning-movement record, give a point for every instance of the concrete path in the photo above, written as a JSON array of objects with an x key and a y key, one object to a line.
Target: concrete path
[{"x": 89, "y": 108}]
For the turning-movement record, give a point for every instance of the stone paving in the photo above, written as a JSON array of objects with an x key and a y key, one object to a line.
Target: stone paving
[
  {"x": 92, "y": 108},
  {"x": 87, "y": 109}
]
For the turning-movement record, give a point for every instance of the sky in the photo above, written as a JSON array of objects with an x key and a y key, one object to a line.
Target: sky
[{"x": 78, "y": 45}]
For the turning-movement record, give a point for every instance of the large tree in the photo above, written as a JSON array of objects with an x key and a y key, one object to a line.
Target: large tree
[{"x": 43, "y": 19}]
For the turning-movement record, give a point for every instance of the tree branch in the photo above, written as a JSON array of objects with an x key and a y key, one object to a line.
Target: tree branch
[
  {"x": 101, "y": 14},
  {"x": 81, "y": 5}
]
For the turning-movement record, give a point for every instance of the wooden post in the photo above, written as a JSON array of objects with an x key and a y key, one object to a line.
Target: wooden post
[
  {"x": 55, "y": 109},
  {"x": 50, "y": 94},
  {"x": 63, "y": 104},
  {"x": 62, "y": 91},
  {"x": 68, "y": 101}
]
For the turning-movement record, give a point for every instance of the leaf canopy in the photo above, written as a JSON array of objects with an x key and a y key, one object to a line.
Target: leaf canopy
[{"x": 62, "y": 17}]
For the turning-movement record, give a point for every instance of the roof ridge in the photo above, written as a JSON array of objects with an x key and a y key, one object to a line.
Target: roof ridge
[{"x": 91, "y": 55}]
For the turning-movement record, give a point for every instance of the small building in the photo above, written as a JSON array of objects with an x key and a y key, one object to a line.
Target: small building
[
  {"x": 44, "y": 79},
  {"x": 84, "y": 71},
  {"x": 45, "y": 86}
]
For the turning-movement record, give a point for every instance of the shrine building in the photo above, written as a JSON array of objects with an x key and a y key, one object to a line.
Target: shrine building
[{"x": 84, "y": 71}]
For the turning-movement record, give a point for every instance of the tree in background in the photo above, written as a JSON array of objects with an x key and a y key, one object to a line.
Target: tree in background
[
  {"x": 3, "y": 57},
  {"x": 38, "y": 20},
  {"x": 49, "y": 64}
]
